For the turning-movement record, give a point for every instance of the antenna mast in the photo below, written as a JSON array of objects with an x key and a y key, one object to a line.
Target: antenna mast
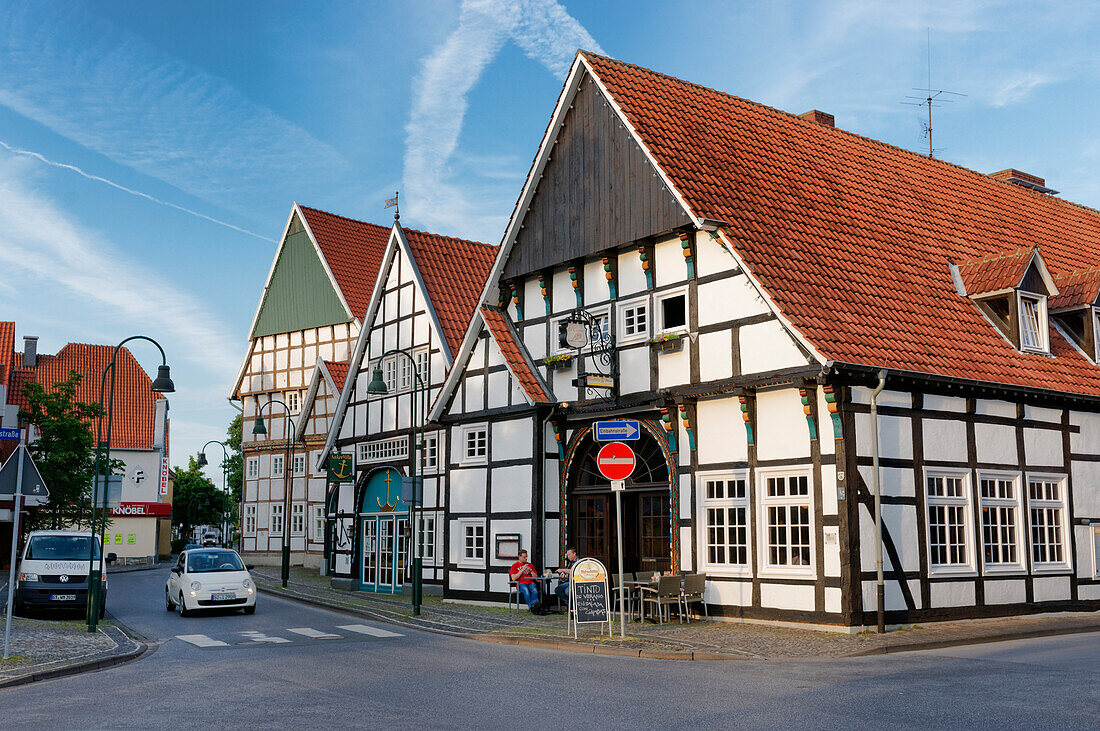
[{"x": 932, "y": 98}]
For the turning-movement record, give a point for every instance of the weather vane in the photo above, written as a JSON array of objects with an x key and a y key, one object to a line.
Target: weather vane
[{"x": 392, "y": 203}]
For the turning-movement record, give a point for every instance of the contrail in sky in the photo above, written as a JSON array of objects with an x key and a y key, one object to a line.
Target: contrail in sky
[{"x": 131, "y": 191}]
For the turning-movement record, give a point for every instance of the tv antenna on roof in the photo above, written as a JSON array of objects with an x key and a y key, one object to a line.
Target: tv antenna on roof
[{"x": 933, "y": 98}]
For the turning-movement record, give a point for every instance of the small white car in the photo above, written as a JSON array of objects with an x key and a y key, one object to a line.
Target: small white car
[{"x": 209, "y": 578}]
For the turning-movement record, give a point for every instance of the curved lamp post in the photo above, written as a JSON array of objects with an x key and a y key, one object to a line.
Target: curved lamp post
[
  {"x": 377, "y": 387},
  {"x": 202, "y": 462},
  {"x": 260, "y": 428},
  {"x": 161, "y": 384}
]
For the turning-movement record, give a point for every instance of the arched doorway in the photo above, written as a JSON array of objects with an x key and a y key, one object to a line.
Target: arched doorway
[
  {"x": 649, "y": 541},
  {"x": 382, "y": 532}
]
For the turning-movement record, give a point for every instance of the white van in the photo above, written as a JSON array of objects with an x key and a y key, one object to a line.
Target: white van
[{"x": 54, "y": 570}]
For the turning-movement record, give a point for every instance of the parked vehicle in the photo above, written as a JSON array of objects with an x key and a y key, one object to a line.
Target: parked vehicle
[
  {"x": 209, "y": 578},
  {"x": 54, "y": 570}
]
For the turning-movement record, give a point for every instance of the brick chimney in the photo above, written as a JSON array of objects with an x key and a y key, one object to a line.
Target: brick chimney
[
  {"x": 30, "y": 351},
  {"x": 819, "y": 117},
  {"x": 1022, "y": 179}
]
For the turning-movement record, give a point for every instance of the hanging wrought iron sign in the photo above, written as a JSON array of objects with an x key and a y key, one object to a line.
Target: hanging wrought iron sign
[{"x": 597, "y": 371}]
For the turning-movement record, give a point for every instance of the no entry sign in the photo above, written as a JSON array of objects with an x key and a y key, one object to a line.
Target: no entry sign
[{"x": 615, "y": 461}]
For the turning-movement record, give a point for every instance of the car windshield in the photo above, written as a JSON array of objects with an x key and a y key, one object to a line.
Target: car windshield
[
  {"x": 60, "y": 548},
  {"x": 202, "y": 562}
]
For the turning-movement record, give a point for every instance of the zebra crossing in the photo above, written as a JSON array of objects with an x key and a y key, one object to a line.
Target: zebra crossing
[{"x": 296, "y": 634}]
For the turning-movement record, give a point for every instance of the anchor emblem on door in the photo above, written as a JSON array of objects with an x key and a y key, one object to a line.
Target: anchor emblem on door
[{"x": 387, "y": 507}]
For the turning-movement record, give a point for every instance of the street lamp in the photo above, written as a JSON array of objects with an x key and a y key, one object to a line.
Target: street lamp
[
  {"x": 202, "y": 462},
  {"x": 161, "y": 384},
  {"x": 260, "y": 428},
  {"x": 377, "y": 387}
]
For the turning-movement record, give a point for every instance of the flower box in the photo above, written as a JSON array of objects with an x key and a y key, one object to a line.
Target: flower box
[
  {"x": 559, "y": 362},
  {"x": 667, "y": 344}
]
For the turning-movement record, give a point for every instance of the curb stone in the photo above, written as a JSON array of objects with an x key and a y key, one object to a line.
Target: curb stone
[{"x": 984, "y": 640}]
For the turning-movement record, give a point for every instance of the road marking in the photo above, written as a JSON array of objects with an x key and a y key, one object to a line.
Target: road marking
[
  {"x": 313, "y": 633},
  {"x": 257, "y": 636},
  {"x": 366, "y": 630},
  {"x": 201, "y": 641}
]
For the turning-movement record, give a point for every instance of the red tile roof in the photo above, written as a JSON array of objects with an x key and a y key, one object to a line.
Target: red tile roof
[
  {"x": 852, "y": 237},
  {"x": 132, "y": 426},
  {"x": 1076, "y": 289},
  {"x": 508, "y": 342},
  {"x": 353, "y": 250},
  {"x": 339, "y": 372},
  {"x": 7, "y": 351},
  {"x": 995, "y": 272},
  {"x": 454, "y": 273}
]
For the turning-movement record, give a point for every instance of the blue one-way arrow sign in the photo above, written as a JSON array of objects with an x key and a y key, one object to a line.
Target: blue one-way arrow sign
[{"x": 617, "y": 431}]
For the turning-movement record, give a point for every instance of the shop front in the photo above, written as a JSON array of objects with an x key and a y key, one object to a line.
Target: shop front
[{"x": 382, "y": 532}]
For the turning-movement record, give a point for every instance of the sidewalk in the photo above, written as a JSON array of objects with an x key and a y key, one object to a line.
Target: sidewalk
[
  {"x": 44, "y": 649},
  {"x": 700, "y": 640}
]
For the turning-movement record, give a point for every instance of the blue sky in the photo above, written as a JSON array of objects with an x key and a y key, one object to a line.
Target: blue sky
[{"x": 149, "y": 152}]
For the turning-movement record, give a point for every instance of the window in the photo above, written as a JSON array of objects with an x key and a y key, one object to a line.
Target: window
[
  {"x": 634, "y": 321},
  {"x": 389, "y": 373},
  {"x": 319, "y": 523},
  {"x": 297, "y": 519},
  {"x": 673, "y": 311},
  {"x": 473, "y": 543},
  {"x": 276, "y": 465},
  {"x": 293, "y": 405},
  {"x": 1033, "y": 323},
  {"x": 427, "y": 539},
  {"x": 724, "y": 502},
  {"x": 1048, "y": 524},
  {"x": 603, "y": 321},
  {"x": 786, "y": 509},
  {"x": 276, "y": 518},
  {"x": 383, "y": 450},
  {"x": 253, "y": 468},
  {"x": 475, "y": 444},
  {"x": 404, "y": 374},
  {"x": 948, "y": 503},
  {"x": 423, "y": 365},
  {"x": 250, "y": 520},
  {"x": 298, "y": 462},
  {"x": 1096, "y": 334},
  {"x": 431, "y": 452},
  {"x": 1000, "y": 520}
]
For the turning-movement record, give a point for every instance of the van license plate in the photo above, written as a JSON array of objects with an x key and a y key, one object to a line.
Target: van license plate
[
  {"x": 63, "y": 597},
  {"x": 223, "y": 597}
]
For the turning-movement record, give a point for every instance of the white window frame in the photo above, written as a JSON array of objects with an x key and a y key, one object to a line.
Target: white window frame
[
  {"x": 1095, "y": 311},
  {"x": 395, "y": 449},
  {"x": 556, "y": 348},
  {"x": 423, "y": 358},
  {"x": 766, "y": 569},
  {"x": 277, "y": 462},
  {"x": 658, "y": 323},
  {"x": 432, "y": 442},
  {"x": 705, "y": 504},
  {"x": 405, "y": 378},
  {"x": 428, "y": 536},
  {"x": 1040, "y": 567},
  {"x": 1094, "y": 539},
  {"x": 632, "y": 306},
  {"x": 472, "y": 525},
  {"x": 298, "y": 464},
  {"x": 319, "y": 518},
  {"x": 1042, "y": 323},
  {"x": 297, "y": 519},
  {"x": 293, "y": 401},
  {"x": 275, "y": 513},
  {"x": 250, "y": 520},
  {"x": 601, "y": 314},
  {"x": 465, "y": 458},
  {"x": 252, "y": 468},
  {"x": 965, "y": 500},
  {"x": 993, "y": 503}
]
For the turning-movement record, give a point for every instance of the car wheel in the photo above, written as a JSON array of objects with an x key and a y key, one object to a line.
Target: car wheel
[
  {"x": 168, "y": 605},
  {"x": 181, "y": 608},
  {"x": 250, "y": 610}
]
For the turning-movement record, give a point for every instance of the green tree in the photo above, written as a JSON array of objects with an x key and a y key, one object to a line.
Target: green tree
[
  {"x": 64, "y": 452},
  {"x": 236, "y": 462},
  {"x": 195, "y": 500}
]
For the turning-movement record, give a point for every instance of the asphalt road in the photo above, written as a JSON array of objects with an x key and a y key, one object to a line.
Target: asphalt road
[{"x": 360, "y": 679}]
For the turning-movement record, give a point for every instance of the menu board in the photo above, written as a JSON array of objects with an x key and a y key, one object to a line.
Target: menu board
[{"x": 588, "y": 592}]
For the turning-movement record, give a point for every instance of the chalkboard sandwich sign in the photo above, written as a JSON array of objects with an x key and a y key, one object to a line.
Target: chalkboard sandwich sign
[{"x": 588, "y": 595}]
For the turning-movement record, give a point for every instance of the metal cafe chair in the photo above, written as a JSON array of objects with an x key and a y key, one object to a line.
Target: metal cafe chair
[
  {"x": 513, "y": 594},
  {"x": 692, "y": 593},
  {"x": 666, "y": 594},
  {"x": 626, "y": 596}
]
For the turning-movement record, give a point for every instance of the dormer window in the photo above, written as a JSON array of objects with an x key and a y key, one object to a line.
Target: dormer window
[
  {"x": 1033, "y": 322},
  {"x": 1076, "y": 310}
]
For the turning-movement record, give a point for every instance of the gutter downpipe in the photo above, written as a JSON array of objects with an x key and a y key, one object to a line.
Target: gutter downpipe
[{"x": 880, "y": 589}]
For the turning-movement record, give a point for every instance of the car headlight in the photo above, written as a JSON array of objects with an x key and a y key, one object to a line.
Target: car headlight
[
  {"x": 28, "y": 577},
  {"x": 195, "y": 586},
  {"x": 247, "y": 583}
]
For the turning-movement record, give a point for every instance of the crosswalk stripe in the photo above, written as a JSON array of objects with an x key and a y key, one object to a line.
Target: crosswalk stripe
[
  {"x": 201, "y": 641},
  {"x": 367, "y": 630},
  {"x": 313, "y": 633},
  {"x": 257, "y": 636}
]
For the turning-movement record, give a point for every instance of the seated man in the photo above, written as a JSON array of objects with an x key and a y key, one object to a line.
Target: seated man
[
  {"x": 522, "y": 572},
  {"x": 562, "y": 589}
]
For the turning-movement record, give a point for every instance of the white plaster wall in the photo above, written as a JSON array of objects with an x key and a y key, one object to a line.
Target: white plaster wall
[
  {"x": 895, "y": 436},
  {"x": 499, "y": 389},
  {"x": 995, "y": 443},
  {"x": 595, "y": 283},
  {"x": 511, "y": 489},
  {"x": 781, "y": 428},
  {"x": 1012, "y": 591},
  {"x": 512, "y": 439},
  {"x": 720, "y": 434},
  {"x": 952, "y": 594},
  {"x": 475, "y": 395},
  {"x": 729, "y": 299},
  {"x": 894, "y": 599},
  {"x": 831, "y": 550},
  {"x": 534, "y": 339},
  {"x": 896, "y": 481},
  {"x": 1051, "y": 588},
  {"x": 828, "y": 490},
  {"x": 550, "y": 482},
  {"x": 464, "y": 580},
  {"x": 944, "y": 439},
  {"x": 562, "y": 385},
  {"x": 1042, "y": 448},
  {"x": 674, "y": 369},
  {"x": 710, "y": 256},
  {"x": 685, "y": 553},
  {"x": 825, "y": 425},
  {"x": 715, "y": 355},
  {"x": 631, "y": 277},
  {"x": 766, "y": 346},
  {"x": 1088, "y": 592},
  {"x": 729, "y": 593},
  {"x": 499, "y": 527},
  {"x": 533, "y": 304},
  {"x": 784, "y": 596},
  {"x": 1087, "y": 441},
  {"x": 551, "y": 549},
  {"x": 634, "y": 370},
  {"x": 668, "y": 258},
  {"x": 833, "y": 598},
  {"x": 495, "y": 357},
  {"x": 862, "y": 395},
  {"x": 934, "y": 402},
  {"x": 563, "y": 295},
  {"x": 1037, "y": 413},
  {"x": 467, "y": 490}
]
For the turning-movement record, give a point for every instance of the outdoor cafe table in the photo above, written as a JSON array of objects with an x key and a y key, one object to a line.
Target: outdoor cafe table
[
  {"x": 544, "y": 587},
  {"x": 643, "y": 586}
]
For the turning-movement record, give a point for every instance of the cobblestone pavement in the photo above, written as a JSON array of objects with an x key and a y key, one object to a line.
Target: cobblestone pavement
[
  {"x": 40, "y": 645},
  {"x": 706, "y": 639}
]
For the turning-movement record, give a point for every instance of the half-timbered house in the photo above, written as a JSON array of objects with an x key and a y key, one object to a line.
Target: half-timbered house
[{"x": 781, "y": 305}]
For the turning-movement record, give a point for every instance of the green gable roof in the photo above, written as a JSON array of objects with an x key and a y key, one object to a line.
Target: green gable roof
[{"x": 300, "y": 293}]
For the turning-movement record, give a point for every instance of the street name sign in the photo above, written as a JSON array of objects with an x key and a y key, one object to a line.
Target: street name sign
[
  {"x": 11, "y": 435},
  {"x": 616, "y": 461},
  {"x": 624, "y": 430}
]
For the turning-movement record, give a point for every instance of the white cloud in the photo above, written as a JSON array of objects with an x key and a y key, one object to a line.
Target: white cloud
[
  {"x": 1017, "y": 87},
  {"x": 545, "y": 32}
]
